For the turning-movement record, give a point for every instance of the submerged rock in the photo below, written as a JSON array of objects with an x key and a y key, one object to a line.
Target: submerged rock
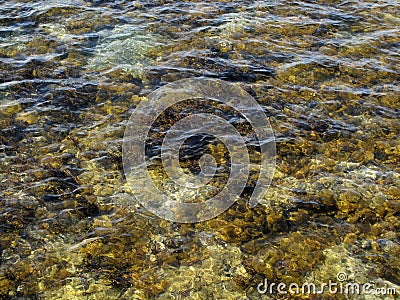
[{"x": 126, "y": 47}]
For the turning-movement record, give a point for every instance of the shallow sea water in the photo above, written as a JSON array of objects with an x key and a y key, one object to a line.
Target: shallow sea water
[{"x": 327, "y": 76}]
